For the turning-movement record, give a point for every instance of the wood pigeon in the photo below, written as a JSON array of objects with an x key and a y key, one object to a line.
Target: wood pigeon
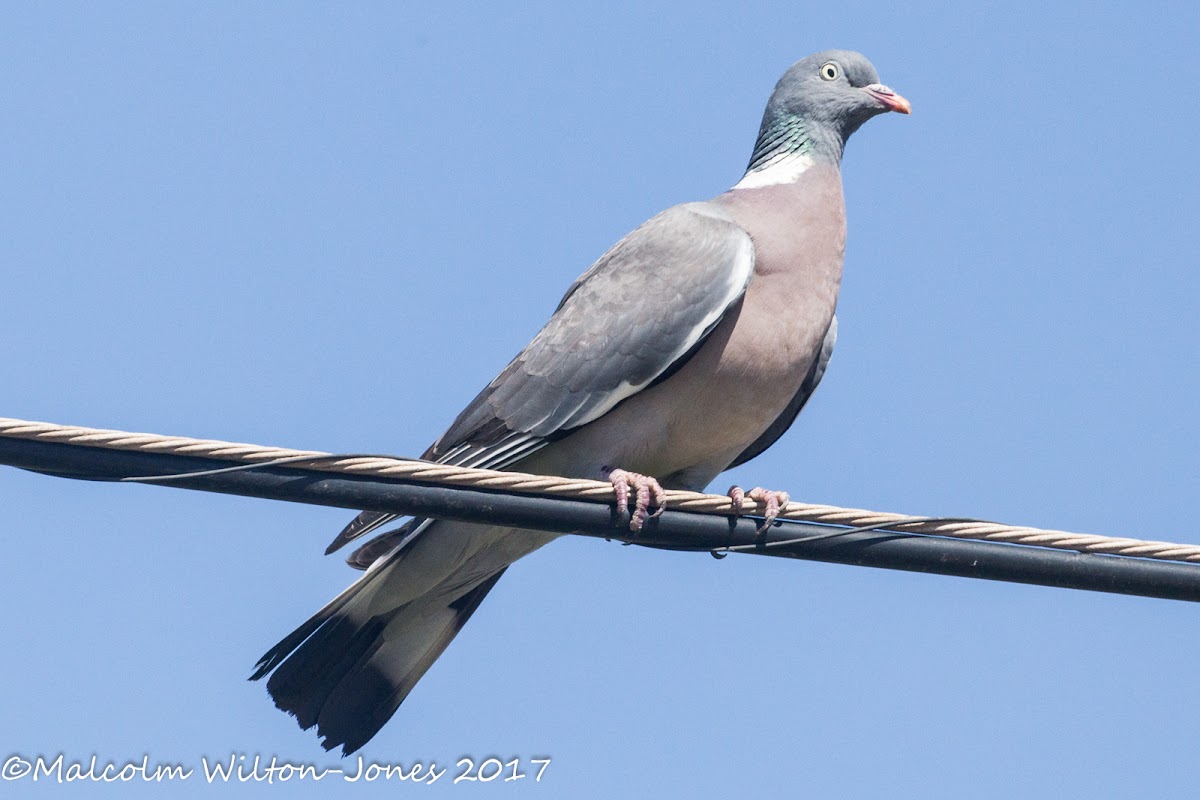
[{"x": 686, "y": 349}]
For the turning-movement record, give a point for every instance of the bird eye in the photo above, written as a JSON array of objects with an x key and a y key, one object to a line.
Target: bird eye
[{"x": 830, "y": 71}]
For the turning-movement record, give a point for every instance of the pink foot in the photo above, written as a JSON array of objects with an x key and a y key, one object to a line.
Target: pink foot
[
  {"x": 645, "y": 488},
  {"x": 773, "y": 502}
]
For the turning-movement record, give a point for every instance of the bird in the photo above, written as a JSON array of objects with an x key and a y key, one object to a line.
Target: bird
[{"x": 688, "y": 348}]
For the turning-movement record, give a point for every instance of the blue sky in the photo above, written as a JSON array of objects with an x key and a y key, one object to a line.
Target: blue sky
[{"x": 328, "y": 228}]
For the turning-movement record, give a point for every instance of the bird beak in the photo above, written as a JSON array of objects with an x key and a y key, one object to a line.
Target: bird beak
[{"x": 889, "y": 99}]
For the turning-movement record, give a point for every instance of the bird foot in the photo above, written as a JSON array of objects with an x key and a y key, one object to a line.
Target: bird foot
[
  {"x": 773, "y": 503},
  {"x": 647, "y": 492}
]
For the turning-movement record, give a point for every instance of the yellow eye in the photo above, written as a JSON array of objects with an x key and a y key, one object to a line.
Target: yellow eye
[{"x": 830, "y": 71}]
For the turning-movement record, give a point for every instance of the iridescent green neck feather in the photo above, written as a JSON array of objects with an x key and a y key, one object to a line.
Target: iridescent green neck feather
[{"x": 783, "y": 137}]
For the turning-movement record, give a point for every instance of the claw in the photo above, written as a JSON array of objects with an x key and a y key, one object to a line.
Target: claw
[
  {"x": 736, "y": 498},
  {"x": 773, "y": 503},
  {"x": 647, "y": 490}
]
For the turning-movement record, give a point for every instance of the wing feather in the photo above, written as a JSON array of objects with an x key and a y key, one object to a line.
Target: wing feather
[{"x": 640, "y": 308}]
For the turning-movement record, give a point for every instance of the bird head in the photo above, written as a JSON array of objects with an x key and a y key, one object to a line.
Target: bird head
[{"x": 828, "y": 96}]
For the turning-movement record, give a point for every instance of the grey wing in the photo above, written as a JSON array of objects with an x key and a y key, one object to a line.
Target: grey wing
[
  {"x": 785, "y": 420},
  {"x": 639, "y": 311}
]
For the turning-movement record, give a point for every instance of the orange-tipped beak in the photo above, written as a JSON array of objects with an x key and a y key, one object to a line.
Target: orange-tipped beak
[{"x": 888, "y": 98}]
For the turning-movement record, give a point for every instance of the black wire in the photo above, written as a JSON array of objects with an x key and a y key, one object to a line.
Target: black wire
[
  {"x": 894, "y": 549},
  {"x": 718, "y": 553}
]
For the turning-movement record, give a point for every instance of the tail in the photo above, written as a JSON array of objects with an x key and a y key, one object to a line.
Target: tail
[{"x": 348, "y": 668}]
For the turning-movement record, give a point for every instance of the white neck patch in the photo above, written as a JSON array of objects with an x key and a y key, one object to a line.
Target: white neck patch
[{"x": 786, "y": 169}]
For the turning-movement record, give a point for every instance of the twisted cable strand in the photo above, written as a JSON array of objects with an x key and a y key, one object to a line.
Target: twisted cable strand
[{"x": 593, "y": 490}]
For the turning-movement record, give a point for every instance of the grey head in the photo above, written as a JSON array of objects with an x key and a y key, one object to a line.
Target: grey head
[{"x": 817, "y": 104}]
